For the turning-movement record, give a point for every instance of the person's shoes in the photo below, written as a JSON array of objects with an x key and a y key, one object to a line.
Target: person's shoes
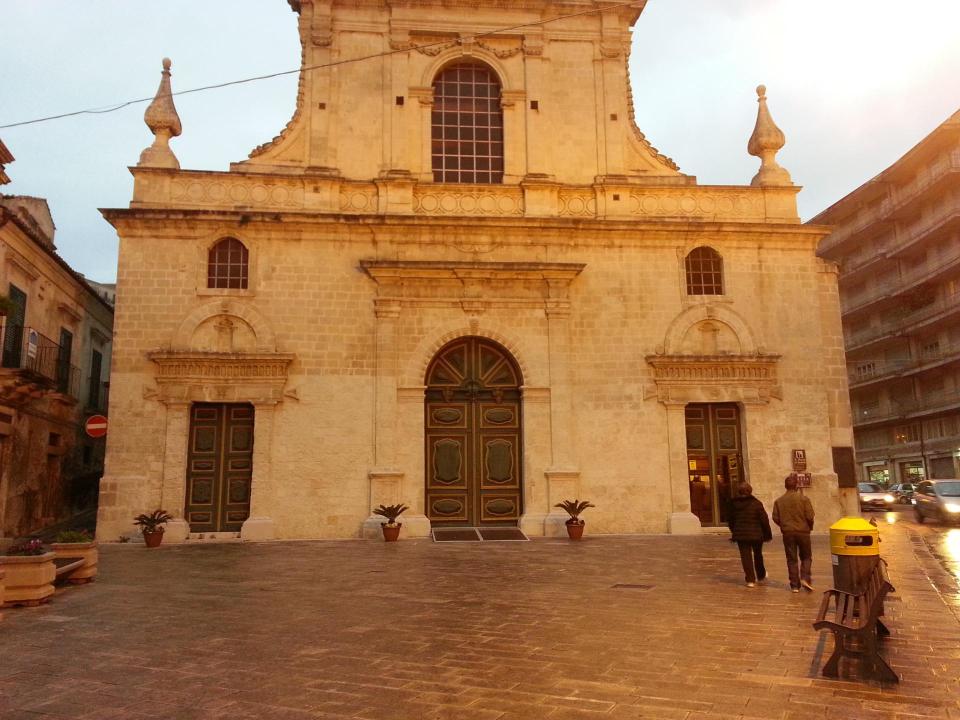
[
  {"x": 762, "y": 581},
  {"x": 796, "y": 590},
  {"x": 750, "y": 584},
  {"x": 807, "y": 585}
]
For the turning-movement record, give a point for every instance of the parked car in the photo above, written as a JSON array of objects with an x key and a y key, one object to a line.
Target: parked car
[
  {"x": 938, "y": 499},
  {"x": 874, "y": 497},
  {"x": 903, "y": 492}
]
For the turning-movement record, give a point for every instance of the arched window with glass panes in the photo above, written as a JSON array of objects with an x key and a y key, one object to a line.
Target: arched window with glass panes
[
  {"x": 228, "y": 265},
  {"x": 467, "y": 125},
  {"x": 704, "y": 268}
]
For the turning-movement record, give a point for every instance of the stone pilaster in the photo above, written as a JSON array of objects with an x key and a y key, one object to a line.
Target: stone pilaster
[
  {"x": 387, "y": 312},
  {"x": 681, "y": 520},
  {"x": 514, "y": 104},
  {"x": 260, "y": 526},
  {"x": 563, "y": 453},
  {"x": 174, "y": 474}
]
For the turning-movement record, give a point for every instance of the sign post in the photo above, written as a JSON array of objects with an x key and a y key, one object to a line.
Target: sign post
[{"x": 96, "y": 426}]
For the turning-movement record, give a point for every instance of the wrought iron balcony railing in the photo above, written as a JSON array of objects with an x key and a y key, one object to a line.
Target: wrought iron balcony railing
[{"x": 24, "y": 348}]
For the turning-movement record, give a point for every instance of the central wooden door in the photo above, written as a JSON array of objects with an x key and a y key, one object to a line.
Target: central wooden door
[
  {"x": 219, "y": 466},
  {"x": 714, "y": 459},
  {"x": 473, "y": 436}
]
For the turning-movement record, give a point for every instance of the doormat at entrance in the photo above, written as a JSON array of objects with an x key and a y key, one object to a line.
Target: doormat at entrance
[
  {"x": 507, "y": 533},
  {"x": 478, "y": 534},
  {"x": 456, "y": 535}
]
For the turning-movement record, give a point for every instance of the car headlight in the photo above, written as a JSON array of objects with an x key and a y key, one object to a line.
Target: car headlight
[
  {"x": 952, "y": 507},
  {"x": 888, "y": 498}
]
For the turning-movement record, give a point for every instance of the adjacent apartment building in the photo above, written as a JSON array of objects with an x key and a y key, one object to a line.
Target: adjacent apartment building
[
  {"x": 55, "y": 334},
  {"x": 463, "y": 279},
  {"x": 897, "y": 241}
]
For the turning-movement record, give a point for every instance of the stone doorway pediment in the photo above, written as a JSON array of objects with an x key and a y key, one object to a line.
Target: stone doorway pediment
[
  {"x": 682, "y": 379},
  {"x": 195, "y": 376}
]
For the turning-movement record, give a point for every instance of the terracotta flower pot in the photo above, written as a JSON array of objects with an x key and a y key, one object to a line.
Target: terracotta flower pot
[
  {"x": 575, "y": 530},
  {"x": 29, "y": 578},
  {"x": 80, "y": 551},
  {"x": 153, "y": 539},
  {"x": 391, "y": 532}
]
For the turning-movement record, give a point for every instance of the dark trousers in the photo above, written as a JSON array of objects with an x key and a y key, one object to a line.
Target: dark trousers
[
  {"x": 751, "y": 557},
  {"x": 795, "y": 544}
]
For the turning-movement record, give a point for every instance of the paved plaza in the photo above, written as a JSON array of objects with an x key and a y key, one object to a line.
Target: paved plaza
[{"x": 618, "y": 628}]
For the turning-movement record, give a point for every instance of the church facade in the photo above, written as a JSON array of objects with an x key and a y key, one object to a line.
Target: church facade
[{"x": 462, "y": 279}]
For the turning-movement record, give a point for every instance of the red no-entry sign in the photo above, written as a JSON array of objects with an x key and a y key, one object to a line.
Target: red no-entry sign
[{"x": 96, "y": 426}]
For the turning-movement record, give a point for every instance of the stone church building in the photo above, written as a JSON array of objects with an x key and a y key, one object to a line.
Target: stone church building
[{"x": 461, "y": 278}]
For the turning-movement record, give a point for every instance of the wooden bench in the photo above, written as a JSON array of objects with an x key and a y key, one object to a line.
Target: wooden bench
[
  {"x": 65, "y": 570},
  {"x": 855, "y": 623}
]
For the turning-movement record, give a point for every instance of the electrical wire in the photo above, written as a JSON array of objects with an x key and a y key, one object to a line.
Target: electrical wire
[{"x": 114, "y": 108}]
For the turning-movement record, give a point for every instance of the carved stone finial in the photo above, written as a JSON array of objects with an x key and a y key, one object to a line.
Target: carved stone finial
[
  {"x": 766, "y": 141},
  {"x": 162, "y": 119}
]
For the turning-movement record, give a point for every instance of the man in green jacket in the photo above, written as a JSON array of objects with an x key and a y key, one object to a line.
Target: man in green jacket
[{"x": 793, "y": 512}]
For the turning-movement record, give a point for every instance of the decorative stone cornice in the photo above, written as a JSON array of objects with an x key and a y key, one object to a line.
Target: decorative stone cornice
[
  {"x": 388, "y": 270},
  {"x": 414, "y": 283},
  {"x": 750, "y": 379},
  {"x": 69, "y": 312},
  {"x": 209, "y": 376}
]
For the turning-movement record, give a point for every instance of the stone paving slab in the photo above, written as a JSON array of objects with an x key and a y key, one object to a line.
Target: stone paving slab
[{"x": 489, "y": 631}]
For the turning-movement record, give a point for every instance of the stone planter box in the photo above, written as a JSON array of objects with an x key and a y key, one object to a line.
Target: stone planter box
[
  {"x": 79, "y": 551},
  {"x": 29, "y": 578}
]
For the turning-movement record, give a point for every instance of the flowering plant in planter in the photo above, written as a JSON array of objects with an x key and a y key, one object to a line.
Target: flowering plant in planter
[
  {"x": 28, "y": 547},
  {"x": 152, "y": 526},
  {"x": 70, "y": 537},
  {"x": 28, "y": 572},
  {"x": 391, "y": 528}
]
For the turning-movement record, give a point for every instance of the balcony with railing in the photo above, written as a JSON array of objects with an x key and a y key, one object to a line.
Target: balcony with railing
[
  {"x": 906, "y": 196},
  {"x": 902, "y": 321},
  {"x": 906, "y": 408},
  {"x": 933, "y": 226},
  {"x": 40, "y": 364},
  {"x": 869, "y": 219}
]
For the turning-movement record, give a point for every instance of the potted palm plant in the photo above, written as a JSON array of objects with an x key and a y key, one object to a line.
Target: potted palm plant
[
  {"x": 30, "y": 573},
  {"x": 78, "y": 545},
  {"x": 391, "y": 528},
  {"x": 152, "y": 526},
  {"x": 574, "y": 523}
]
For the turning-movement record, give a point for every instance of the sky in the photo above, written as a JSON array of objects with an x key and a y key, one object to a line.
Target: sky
[{"x": 853, "y": 84}]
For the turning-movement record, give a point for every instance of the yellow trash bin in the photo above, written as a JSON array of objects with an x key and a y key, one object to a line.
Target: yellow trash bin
[{"x": 854, "y": 552}]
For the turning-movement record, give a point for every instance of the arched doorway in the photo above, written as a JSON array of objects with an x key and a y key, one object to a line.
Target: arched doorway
[{"x": 472, "y": 427}]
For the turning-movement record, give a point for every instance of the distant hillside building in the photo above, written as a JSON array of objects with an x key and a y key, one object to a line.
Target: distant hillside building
[
  {"x": 462, "y": 279},
  {"x": 897, "y": 241},
  {"x": 56, "y": 337}
]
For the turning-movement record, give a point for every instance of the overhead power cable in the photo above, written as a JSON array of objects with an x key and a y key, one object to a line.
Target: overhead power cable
[{"x": 114, "y": 108}]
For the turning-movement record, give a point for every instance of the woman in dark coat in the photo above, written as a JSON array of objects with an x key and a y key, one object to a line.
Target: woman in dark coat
[{"x": 750, "y": 528}]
